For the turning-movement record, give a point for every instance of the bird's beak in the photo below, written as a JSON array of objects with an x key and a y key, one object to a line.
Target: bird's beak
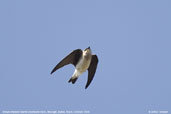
[{"x": 88, "y": 47}]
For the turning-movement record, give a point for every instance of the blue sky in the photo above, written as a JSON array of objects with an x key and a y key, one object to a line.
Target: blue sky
[{"x": 131, "y": 38}]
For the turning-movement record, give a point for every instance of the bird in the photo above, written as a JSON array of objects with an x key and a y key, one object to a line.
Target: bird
[{"x": 82, "y": 60}]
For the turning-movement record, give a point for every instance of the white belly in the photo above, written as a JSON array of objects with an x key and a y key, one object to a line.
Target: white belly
[{"x": 83, "y": 65}]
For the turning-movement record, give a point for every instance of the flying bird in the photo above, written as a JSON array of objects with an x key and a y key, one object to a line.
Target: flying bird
[{"x": 82, "y": 60}]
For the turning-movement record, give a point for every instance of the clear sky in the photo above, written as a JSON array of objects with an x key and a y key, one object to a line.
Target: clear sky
[{"x": 131, "y": 38}]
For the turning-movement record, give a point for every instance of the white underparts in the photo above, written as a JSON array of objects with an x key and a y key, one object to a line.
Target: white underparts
[
  {"x": 81, "y": 67},
  {"x": 76, "y": 74}
]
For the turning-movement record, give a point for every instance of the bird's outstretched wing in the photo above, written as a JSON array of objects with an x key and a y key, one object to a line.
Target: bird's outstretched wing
[
  {"x": 92, "y": 70},
  {"x": 72, "y": 58}
]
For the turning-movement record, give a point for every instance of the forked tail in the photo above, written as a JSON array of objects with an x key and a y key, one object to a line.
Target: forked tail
[{"x": 73, "y": 80}]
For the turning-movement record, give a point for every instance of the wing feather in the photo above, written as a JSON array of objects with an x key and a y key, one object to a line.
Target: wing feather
[
  {"x": 92, "y": 70},
  {"x": 72, "y": 58}
]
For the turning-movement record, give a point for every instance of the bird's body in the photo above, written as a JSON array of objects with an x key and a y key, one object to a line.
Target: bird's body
[
  {"x": 82, "y": 65},
  {"x": 82, "y": 60}
]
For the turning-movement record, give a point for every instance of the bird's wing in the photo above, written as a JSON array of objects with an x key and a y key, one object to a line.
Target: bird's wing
[
  {"x": 72, "y": 58},
  {"x": 92, "y": 69}
]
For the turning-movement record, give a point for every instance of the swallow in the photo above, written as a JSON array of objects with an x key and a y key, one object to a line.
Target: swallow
[{"x": 82, "y": 60}]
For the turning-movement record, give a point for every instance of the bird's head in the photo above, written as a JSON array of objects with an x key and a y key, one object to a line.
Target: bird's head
[{"x": 87, "y": 51}]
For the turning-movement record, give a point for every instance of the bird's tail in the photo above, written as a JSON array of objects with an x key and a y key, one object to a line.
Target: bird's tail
[{"x": 73, "y": 80}]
